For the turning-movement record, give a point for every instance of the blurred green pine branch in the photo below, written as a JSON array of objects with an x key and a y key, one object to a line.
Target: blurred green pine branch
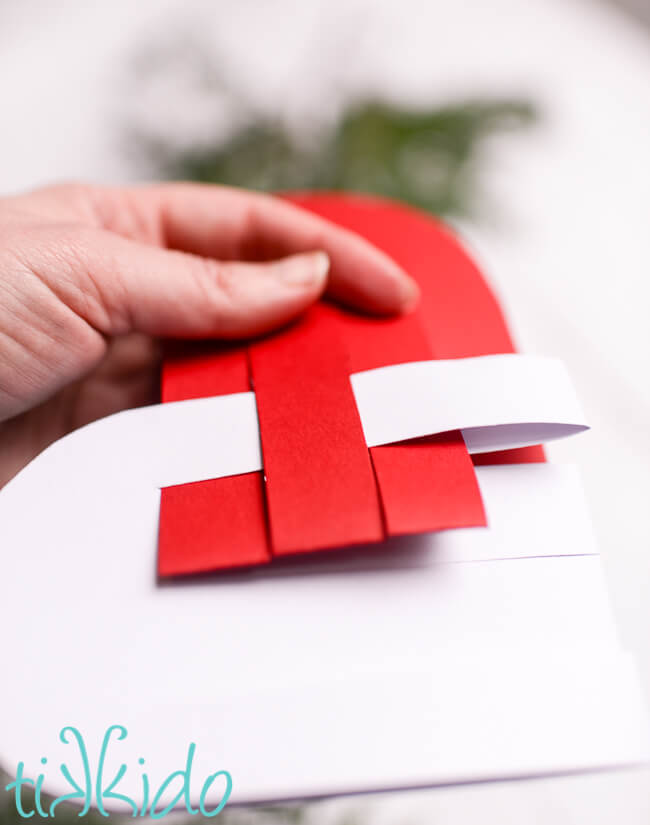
[{"x": 430, "y": 159}]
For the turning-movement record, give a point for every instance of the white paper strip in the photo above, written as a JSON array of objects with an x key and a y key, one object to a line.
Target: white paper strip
[{"x": 499, "y": 401}]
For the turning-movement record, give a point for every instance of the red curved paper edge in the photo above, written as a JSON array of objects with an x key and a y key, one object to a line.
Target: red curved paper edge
[{"x": 320, "y": 489}]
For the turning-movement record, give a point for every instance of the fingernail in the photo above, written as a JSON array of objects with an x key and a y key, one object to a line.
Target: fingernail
[
  {"x": 409, "y": 294},
  {"x": 305, "y": 270}
]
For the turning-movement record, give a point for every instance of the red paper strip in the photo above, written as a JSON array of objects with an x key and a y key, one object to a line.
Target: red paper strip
[
  {"x": 428, "y": 485},
  {"x": 521, "y": 455},
  {"x": 221, "y": 522},
  {"x": 201, "y": 371},
  {"x": 212, "y": 524},
  {"x": 410, "y": 477},
  {"x": 320, "y": 486}
]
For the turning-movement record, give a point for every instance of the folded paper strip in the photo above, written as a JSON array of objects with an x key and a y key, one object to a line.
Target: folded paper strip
[{"x": 340, "y": 398}]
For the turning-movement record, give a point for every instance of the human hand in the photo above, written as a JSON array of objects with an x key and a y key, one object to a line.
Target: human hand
[{"x": 91, "y": 277}]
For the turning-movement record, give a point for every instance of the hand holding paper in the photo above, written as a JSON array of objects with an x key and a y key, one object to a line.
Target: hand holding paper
[{"x": 88, "y": 274}]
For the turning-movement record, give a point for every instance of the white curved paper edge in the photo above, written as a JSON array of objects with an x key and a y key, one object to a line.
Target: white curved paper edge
[{"x": 499, "y": 402}]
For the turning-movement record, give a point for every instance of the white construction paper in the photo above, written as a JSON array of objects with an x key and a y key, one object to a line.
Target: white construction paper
[
  {"x": 280, "y": 676},
  {"x": 453, "y": 718},
  {"x": 499, "y": 401},
  {"x": 459, "y": 656},
  {"x": 531, "y": 400}
]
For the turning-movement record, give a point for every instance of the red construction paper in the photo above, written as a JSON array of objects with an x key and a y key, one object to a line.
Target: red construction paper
[
  {"x": 457, "y": 311},
  {"x": 212, "y": 524},
  {"x": 375, "y": 343},
  {"x": 203, "y": 370},
  {"x": 426, "y": 501},
  {"x": 428, "y": 485},
  {"x": 221, "y": 522},
  {"x": 521, "y": 455},
  {"x": 320, "y": 486},
  {"x": 320, "y": 490}
]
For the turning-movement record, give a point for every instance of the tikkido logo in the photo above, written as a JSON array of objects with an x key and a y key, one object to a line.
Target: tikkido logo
[{"x": 101, "y": 790}]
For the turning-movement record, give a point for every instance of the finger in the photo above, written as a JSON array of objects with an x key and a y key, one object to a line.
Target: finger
[
  {"x": 235, "y": 224},
  {"x": 129, "y": 287}
]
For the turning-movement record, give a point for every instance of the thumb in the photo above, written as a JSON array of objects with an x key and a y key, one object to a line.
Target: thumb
[{"x": 174, "y": 294}]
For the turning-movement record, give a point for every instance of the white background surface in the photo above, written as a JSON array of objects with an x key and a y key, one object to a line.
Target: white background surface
[{"x": 569, "y": 248}]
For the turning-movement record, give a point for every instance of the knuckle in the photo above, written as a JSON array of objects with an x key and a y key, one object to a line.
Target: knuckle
[
  {"x": 73, "y": 243},
  {"x": 70, "y": 268},
  {"x": 216, "y": 285},
  {"x": 215, "y": 277},
  {"x": 224, "y": 276}
]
